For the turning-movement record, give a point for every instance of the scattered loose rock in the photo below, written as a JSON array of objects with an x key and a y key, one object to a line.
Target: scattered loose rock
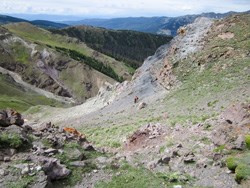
[
  {"x": 165, "y": 160},
  {"x": 142, "y": 105},
  {"x": 147, "y": 135},
  {"x": 53, "y": 169},
  {"x": 240, "y": 143},
  {"x": 227, "y": 35},
  {"x": 3, "y": 172},
  {"x": 78, "y": 163}
]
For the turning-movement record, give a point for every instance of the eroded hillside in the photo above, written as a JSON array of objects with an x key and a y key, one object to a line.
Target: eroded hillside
[
  {"x": 60, "y": 65},
  {"x": 190, "y": 125}
]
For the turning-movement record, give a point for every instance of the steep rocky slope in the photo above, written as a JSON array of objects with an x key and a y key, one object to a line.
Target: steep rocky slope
[
  {"x": 57, "y": 64},
  {"x": 190, "y": 126}
]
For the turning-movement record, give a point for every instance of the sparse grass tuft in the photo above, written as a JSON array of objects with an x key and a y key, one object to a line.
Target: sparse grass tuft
[
  {"x": 173, "y": 178},
  {"x": 219, "y": 148},
  {"x": 23, "y": 181},
  {"x": 10, "y": 141},
  {"x": 247, "y": 139},
  {"x": 111, "y": 136},
  {"x": 133, "y": 177}
]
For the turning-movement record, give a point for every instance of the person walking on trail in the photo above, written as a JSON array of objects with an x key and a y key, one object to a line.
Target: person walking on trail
[{"x": 136, "y": 99}]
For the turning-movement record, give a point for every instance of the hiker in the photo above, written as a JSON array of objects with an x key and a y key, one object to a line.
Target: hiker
[{"x": 136, "y": 99}]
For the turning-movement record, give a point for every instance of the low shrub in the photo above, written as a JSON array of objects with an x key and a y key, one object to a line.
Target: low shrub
[
  {"x": 231, "y": 163},
  {"x": 10, "y": 141},
  {"x": 247, "y": 139}
]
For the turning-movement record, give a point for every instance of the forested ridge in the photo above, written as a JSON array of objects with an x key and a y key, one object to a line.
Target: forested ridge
[{"x": 129, "y": 46}]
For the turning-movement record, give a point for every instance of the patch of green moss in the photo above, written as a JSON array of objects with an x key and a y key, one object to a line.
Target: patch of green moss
[
  {"x": 240, "y": 165},
  {"x": 247, "y": 139},
  {"x": 231, "y": 163},
  {"x": 242, "y": 172},
  {"x": 212, "y": 103},
  {"x": 115, "y": 144},
  {"x": 162, "y": 148}
]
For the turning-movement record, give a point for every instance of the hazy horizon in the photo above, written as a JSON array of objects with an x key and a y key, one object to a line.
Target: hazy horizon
[
  {"x": 61, "y": 18},
  {"x": 62, "y": 10}
]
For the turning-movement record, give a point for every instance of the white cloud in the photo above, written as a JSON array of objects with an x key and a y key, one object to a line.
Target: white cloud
[{"x": 114, "y": 8}]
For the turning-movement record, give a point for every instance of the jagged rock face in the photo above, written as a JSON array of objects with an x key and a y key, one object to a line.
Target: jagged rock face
[{"x": 190, "y": 40}]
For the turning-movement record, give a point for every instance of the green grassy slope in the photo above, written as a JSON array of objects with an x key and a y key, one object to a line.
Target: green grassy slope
[{"x": 14, "y": 96}]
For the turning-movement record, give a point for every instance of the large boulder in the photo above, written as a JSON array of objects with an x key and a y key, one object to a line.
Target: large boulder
[
  {"x": 53, "y": 169},
  {"x": 74, "y": 154},
  {"x": 10, "y": 117},
  {"x": 142, "y": 105}
]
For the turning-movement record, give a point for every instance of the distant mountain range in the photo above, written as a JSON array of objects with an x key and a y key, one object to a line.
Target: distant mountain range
[
  {"x": 40, "y": 23},
  {"x": 159, "y": 25}
]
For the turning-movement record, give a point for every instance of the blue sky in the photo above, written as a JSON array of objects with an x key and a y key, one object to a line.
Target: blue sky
[{"x": 121, "y": 8}]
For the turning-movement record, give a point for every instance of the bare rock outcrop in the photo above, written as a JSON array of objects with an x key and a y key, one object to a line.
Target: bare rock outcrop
[
  {"x": 10, "y": 117},
  {"x": 190, "y": 40}
]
